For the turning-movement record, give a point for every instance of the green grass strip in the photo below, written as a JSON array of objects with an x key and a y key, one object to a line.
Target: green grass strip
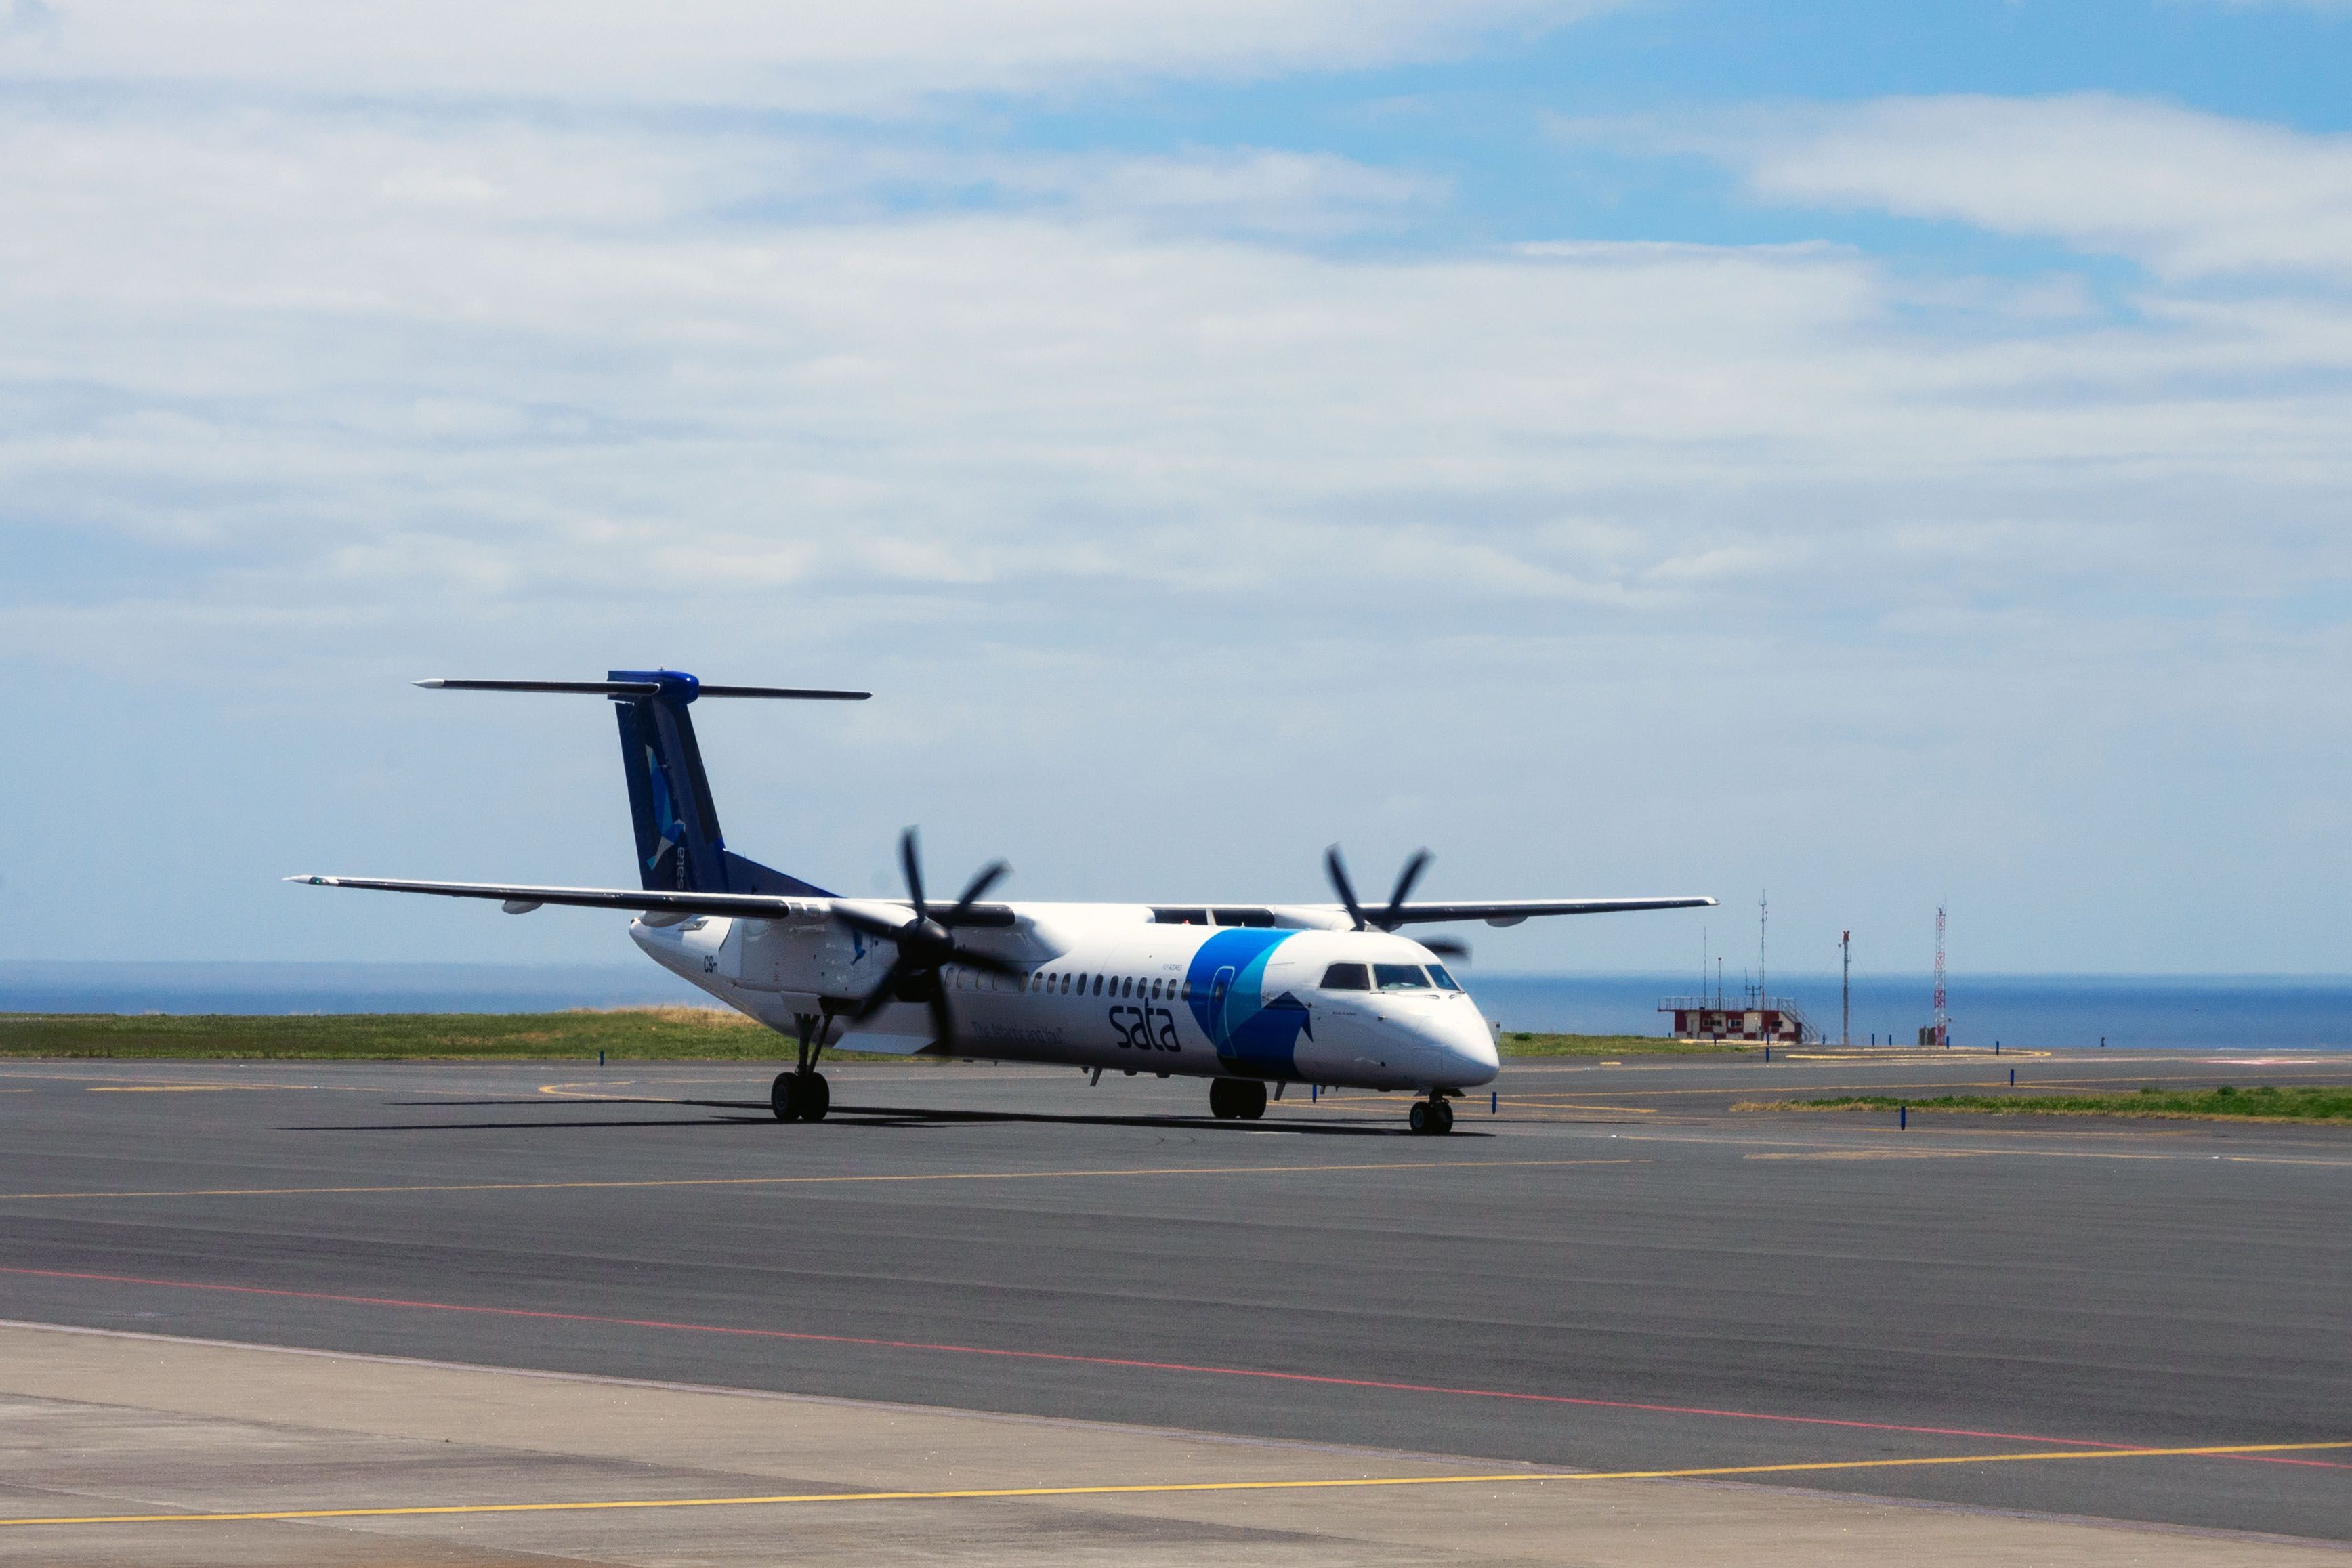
[
  {"x": 623, "y": 1034},
  {"x": 1518, "y": 1044},
  {"x": 2324, "y": 1103}
]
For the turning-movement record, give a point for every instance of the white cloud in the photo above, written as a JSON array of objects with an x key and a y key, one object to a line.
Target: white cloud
[
  {"x": 1243, "y": 190},
  {"x": 805, "y": 53},
  {"x": 338, "y": 345},
  {"x": 2191, "y": 195}
]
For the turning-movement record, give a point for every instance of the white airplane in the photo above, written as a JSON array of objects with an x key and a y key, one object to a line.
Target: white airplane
[{"x": 1243, "y": 995}]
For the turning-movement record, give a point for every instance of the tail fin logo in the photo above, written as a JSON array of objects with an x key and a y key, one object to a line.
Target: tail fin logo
[{"x": 666, "y": 820}]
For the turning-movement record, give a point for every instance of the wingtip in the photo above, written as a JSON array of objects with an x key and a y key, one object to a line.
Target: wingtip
[
  {"x": 433, "y": 683},
  {"x": 312, "y": 881}
]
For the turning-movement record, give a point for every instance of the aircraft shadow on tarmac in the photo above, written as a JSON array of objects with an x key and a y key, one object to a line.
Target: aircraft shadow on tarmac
[{"x": 887, "y": 1118}]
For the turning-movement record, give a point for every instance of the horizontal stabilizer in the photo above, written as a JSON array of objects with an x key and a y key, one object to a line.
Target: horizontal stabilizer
[{"x": 643, "y": 689}]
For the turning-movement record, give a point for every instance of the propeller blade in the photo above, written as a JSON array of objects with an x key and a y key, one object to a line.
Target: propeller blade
[
  {"x": 911, "y": 859},
  {"x": 1405, "y": 879},
  {"x": 879, "y": 997},
  {"x": 1339, "y": 882},
  {"x": 942, "y": 1019},
  {"x": 1447, "y": 947},
  {"x": 978, "y": 884}
]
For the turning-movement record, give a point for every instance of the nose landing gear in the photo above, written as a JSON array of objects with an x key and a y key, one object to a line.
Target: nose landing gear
[{"x": 1432, "y": 1116}]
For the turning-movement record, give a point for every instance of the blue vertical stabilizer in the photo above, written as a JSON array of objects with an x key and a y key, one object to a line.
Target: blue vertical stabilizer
[{"x": 680, "y": 846}]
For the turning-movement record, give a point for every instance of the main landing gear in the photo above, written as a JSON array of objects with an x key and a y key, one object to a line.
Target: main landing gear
[
  {"x": 1432, "y": 1116},
  {"x": 800, "y": 1097},
  {"x": 803, "y": 1095},
  {"x": 1236, "y": 1097}
]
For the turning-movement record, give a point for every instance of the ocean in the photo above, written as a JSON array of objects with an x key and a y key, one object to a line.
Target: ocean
[
  {"x": 2027, "y": 1012},
  {"x": 2312, "y": 1012}
]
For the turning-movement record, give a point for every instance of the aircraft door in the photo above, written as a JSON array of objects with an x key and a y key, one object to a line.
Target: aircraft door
[{"x": 1221, "y": 989}]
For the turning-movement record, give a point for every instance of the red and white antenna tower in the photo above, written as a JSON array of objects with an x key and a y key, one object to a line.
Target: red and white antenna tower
[{"x": 1943, "y": 1023}]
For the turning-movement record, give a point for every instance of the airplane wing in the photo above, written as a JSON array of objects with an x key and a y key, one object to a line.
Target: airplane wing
[
  {"x": 646, "y": 900},
  {"x": 521, "y": 898},
  {"x": 762, "y": 905},
  {"x": 1511, "y": 911}
]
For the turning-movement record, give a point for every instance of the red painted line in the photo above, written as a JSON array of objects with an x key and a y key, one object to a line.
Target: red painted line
[{"x": 1070, "y": 1357}]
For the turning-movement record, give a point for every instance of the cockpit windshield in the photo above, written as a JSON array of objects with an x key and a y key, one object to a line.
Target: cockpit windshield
[
  {"x": 1445, "y": 982},
  {"x": 1399, "y": 978}
]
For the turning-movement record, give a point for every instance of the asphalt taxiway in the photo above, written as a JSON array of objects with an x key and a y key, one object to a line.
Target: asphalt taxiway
[{"x": 1609, "y": 1272}]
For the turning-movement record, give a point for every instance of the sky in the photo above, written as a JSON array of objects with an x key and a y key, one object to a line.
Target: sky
[{"x": 1862, "y": 456}]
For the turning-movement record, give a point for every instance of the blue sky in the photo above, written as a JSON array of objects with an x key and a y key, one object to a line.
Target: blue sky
[{"x": 1877, "y": 454}]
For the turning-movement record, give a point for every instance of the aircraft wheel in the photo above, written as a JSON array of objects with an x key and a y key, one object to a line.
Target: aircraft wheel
[
  {"x": 1441, "y": 1117},
  {"x": 1249, "y": 1104},
  {"x": 816, "y": 1098},
  {"x": 1220, "y": 1099},
  {"x": 783, "y": 1096},
  {"x": 1418, "y": 1118}
]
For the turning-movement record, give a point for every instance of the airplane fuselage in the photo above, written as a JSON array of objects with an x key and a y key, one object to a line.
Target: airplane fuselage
[{"x": 1115, "y": 987}]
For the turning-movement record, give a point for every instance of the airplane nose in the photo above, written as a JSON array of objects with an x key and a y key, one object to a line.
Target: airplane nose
[{"x": 1466, "y": 1049}]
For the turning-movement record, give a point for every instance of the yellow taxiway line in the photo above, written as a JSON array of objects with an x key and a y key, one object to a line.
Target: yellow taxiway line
[{"x": 1131, "y": 1488}]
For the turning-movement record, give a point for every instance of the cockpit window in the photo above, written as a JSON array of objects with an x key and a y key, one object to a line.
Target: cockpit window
[
  {"x": 1445, "y": 982},
  {"x": 1399, "y": 978},
  {"x": 1347, "y": 978}
]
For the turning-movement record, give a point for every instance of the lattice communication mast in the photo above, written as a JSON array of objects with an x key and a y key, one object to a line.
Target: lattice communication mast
[{"x": 1943, "y": 1022}]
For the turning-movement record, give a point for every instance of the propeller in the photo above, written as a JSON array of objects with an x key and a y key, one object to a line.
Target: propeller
[
  {"x": 1389, "y": 919},
  {"x": 927, "y": 943}
]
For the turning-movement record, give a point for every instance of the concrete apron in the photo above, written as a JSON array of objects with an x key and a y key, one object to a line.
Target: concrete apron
[{"x": 100, "y": 1424}]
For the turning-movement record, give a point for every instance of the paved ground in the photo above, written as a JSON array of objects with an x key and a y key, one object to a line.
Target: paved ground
[
  {"x": 354, "y": 1461},
  {"x": 1614, "y": 1274}
]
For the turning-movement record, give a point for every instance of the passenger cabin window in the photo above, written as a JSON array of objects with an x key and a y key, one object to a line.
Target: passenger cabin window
[
  {"x": 1098, "y": 985},
  {"x": 1347, "y": 978},
  {"x": 1445, "y": 982},
  {"x": 1399, "y": 978}
]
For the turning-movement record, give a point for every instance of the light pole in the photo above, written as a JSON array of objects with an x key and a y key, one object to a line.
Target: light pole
[{"x": 1845, "y": 987}]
